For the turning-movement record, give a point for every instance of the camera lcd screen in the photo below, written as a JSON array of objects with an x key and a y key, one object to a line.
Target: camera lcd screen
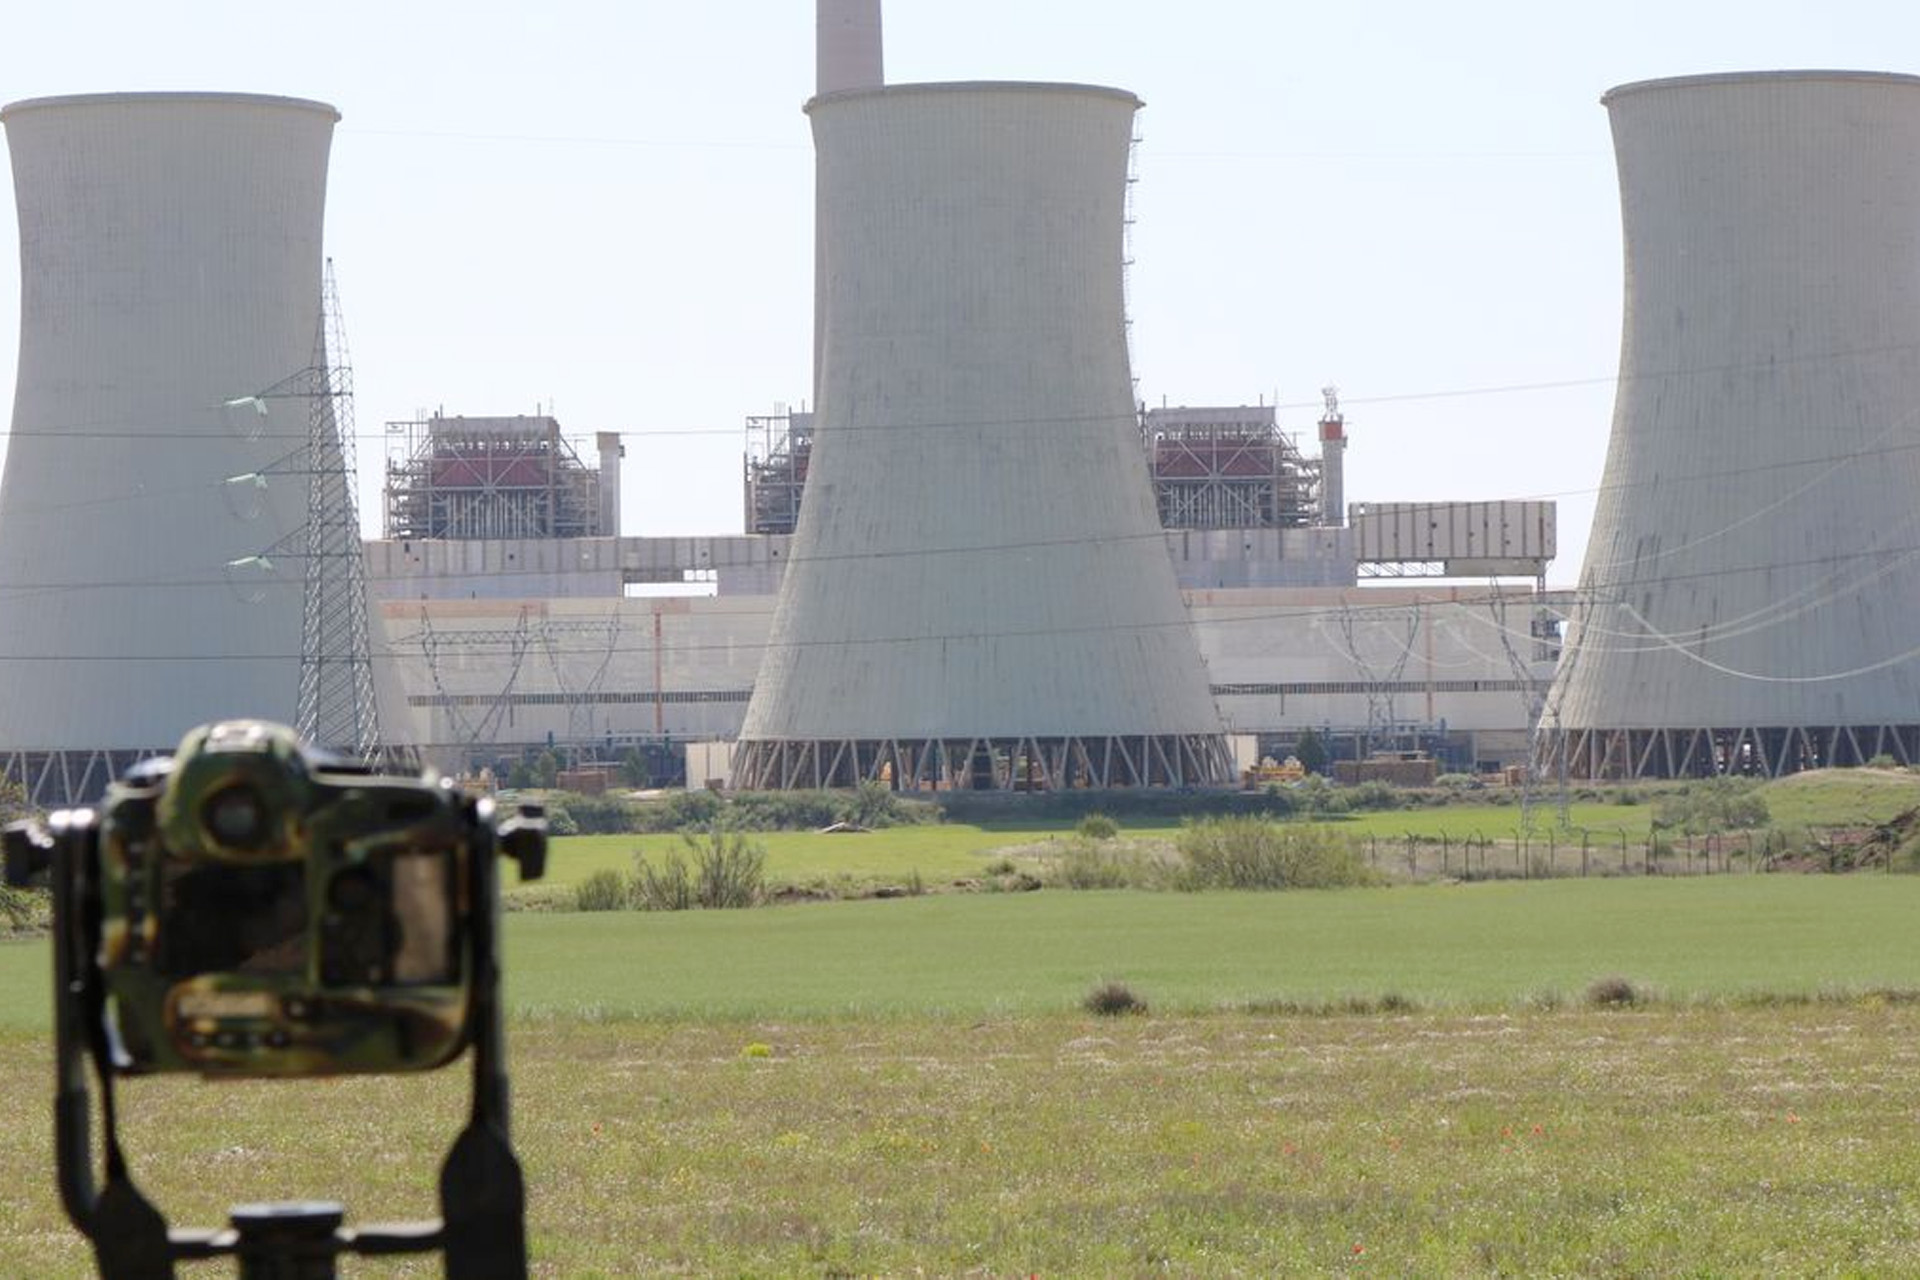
[
  {"x": 389, "y": 921},
  {"x": 219, "y": 918}
]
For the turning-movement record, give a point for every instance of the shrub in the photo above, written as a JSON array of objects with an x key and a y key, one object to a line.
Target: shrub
[
  {"x": 668, "y": 887},
  {"x": 1315, "y": 796},
  {"x": 729, "y": 869},
  {"x": 1716, "y": 804},
  {"x": 598, "y": 815},
  {"x": 1614, "y": 992},
  {"x": 1088, "y": 864},
  {"x": 783, "y": 810},
  {"x": 1002, "y": 866},
  {"x": 604, "y": 890},
  {"x": 1113, "y": 1000},
  {"x": 1247, "y": 853},
  {"x": 560, "y": 820},
  {"x": 684, "y": 811},
  {"x": 1097, "y": 826},
  {"x": 1883, "y": 761},
  {"x": 1458, "y": 782},
  {"x": 876, "y": 805},
  {"x": 1373, "y": 794}
]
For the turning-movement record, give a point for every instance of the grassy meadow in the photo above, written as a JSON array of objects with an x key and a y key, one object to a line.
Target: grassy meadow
[
  {"x": 1409, "y": 1080},
  {"x": 1721, "y": 1141},
  {"x": 945, "y": 852}
]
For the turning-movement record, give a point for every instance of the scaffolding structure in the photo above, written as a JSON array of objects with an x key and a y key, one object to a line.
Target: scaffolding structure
[
  {"x": 1229, "y": 468},
  {"x": 779, "y": 446},
  {"x": 467, "y": 478}
]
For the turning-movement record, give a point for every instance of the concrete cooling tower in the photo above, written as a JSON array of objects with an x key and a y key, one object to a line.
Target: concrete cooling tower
[
  {"x": 1751, "y": 596},
  {"x": 171, "y": 266},
  {"x": 979, "y": 593}
]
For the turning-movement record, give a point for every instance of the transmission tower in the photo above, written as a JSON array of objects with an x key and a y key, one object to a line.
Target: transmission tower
[{"x": 336, "y": 706}]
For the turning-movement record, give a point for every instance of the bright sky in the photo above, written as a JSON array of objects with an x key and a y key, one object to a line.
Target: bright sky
[{"x": 605, "y": 207}]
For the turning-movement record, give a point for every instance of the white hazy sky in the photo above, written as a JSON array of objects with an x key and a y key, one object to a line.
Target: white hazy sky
[{"x": 606, "y": 207}]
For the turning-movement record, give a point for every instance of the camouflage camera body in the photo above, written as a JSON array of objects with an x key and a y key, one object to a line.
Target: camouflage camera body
[{"x": 263, "y": 914}]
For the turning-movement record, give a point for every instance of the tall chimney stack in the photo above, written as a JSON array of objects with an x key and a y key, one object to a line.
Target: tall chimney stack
[{"x": 847, "y": 45}]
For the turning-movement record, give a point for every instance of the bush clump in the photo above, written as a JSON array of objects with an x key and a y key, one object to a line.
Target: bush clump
[
  {"x": 560, "y": 819},
  {"x": 1247, "y": 853},
  {"x": 598, "y": 815},
  {"x": 667, "y": 887},
  {"x": 1097, "y": 826},
  {"x": 782, "y": 810},
  {"x": 1713, "y": 805},
  {"x": 1114, "y": 1000},
  {"x": 1614, "y": 992},
  {"x": 729, "y": 869},
  {"x": 604, "y": 890},
  {"x": 1372, "y": 795},
  {"x": 1091, "y": 864}
]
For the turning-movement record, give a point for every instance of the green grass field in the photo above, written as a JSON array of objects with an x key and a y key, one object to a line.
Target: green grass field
[
  {"x": 954, "y": 851},
  {"x": 1703, "y": 1142},
  {"x": 909, "y": 1085},
  {"x": 977, "y": 955}
]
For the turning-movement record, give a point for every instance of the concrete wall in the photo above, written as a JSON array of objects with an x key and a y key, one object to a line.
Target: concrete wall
[{"x": 1278, "y": 661}]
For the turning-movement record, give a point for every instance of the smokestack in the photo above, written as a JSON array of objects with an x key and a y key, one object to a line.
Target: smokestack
[
  {"x": 1333, "y": 461},
  {"x": 611, "y": 451},
  {"x": 847, "y": 45}
]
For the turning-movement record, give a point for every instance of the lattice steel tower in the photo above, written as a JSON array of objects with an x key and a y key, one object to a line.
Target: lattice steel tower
[{"x": 336, "y": 706}]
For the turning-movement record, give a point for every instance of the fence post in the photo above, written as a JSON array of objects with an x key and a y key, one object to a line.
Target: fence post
[
  {"x": 1584, "y": 837},
  {"x": 1443, "y": 854},
  {"x": 1413, "y": 867}
]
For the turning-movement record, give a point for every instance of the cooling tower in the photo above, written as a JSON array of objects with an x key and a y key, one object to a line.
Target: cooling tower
[
  {"x": 979, "y": 592},
  {"x": 1750, "y": 600},
  {"x": 170, "y": 250}
]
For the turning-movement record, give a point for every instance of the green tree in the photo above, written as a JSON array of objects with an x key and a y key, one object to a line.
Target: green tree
[
  {"x": 546, "y": 769},
  {"x": 633, "y": 767},
  {"x": 1310, "y": 752}
]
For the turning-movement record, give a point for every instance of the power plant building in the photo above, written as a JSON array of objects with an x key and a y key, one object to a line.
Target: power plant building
[
  {"x": 464, "y": 478},
  {"x": 156, "y": 484},
  {"x": 1750, "y": 600},
  {"x": 976, "y": 594}
]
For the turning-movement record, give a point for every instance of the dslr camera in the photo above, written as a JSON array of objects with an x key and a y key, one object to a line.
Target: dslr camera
[{"x": 250, "y": 907}]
